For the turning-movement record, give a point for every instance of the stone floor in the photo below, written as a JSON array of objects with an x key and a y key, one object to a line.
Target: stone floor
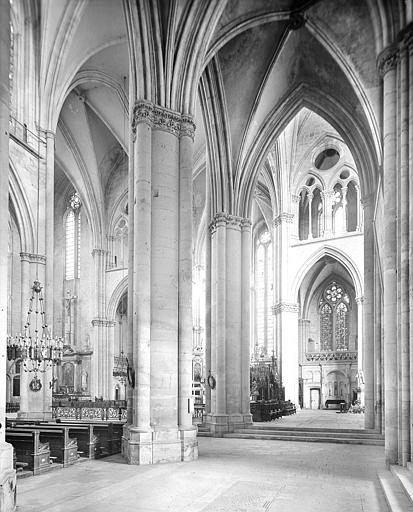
[
  {"x": 231, "y": 475},
  {"x": 326, "y": 418}
]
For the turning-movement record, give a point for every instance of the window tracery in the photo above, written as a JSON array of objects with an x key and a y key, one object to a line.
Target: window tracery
[{"x": 334, "y": 318}]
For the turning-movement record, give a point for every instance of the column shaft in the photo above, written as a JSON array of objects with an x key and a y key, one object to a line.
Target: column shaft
[
  {"x": 49, "y": 226},
  {"x": 141, "y": 208},
  {"x": 403, "y": 275},
  {"x": 7, "y": 473},
  {"x": 185, "y": 282},
  {"x": 390, "y": 265},
  {"x": 367, "y": 319},
  {"x": 245, "y": 316}
]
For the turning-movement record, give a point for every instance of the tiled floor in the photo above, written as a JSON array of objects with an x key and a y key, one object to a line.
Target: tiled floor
[{"x": 231, "y": 475}]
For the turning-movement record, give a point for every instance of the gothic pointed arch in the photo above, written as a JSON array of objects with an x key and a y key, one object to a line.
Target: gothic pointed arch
[{"x": 353, "y": 130}]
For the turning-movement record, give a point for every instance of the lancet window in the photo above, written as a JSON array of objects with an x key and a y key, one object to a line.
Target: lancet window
[
  {"x": 263, "y": 294},
  {"x": 334, "y": 318},
  {"x": 72, "y": 238}
]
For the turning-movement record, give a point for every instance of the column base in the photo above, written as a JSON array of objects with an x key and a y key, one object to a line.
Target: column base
[
  {"x": 159, "y": 445},
  {"x": 7, "y": 478},
  {"x": 220, "y": 424}
]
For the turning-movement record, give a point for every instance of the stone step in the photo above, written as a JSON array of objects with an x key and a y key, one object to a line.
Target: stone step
[
  {"x": 396, "y": 498},
  {"x": 274, "y": 426},
  {"x": 307, "y": 438},
  {"x": 405, "y": 478},
  {"x": 313, "y": 433}
]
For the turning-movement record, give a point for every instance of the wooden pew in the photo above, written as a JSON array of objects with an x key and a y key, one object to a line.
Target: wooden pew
[
  {"x": 63, "y": 448},
  {"x": 107, "y": 436},
  {"x": 95, "y": 439},
  {"x": 87, "y": 441},
  {"x": 30, "y": 450}
]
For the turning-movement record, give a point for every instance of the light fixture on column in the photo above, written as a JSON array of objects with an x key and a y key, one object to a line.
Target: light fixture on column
[{"x": 35, "y": 347}]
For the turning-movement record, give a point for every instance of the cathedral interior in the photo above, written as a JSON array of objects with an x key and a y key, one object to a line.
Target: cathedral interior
[{"x": 206, "y": 235}]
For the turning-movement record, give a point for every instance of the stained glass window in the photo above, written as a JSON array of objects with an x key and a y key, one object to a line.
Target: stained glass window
[
  {"x": 70, "y": 245},
  {"x": 263, "y": 293},
  {"x": 72, "y": 238},
  {"x": 326, "y": 327},
  {"x": 334, "y": 318}
]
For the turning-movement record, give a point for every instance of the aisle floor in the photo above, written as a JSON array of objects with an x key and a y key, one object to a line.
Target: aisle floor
[{"x": 231, "y": 475}]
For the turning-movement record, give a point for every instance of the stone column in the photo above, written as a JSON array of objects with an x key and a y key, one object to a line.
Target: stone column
[
  {"x": 310, "y": 216},
  {"x": 295, "y": 201},
  {"x": 328, "y": 209},
  {"x": 131, "y": 275},
  {"x": 409, "y": 44},
  {"x": 358, "y": 201},
  {"x": 403, "y": 273},
  {"x": 246, "y": 245},
  {"x": 388, "y": 62},
  {"x": 378, "y": 366},
  {"x": 162, "y": 271},
  {"x": 7, "y": 473},
  {"x": 49, "y": 226},
  {"x": 25, "y": 285},
  {"x": 360, "y": 359},
  {"x": 286, "y": 318},
  {"x": 99, "y": 376},
  {"x": 285, "y": 311},
  {"x": 208, "y": 296},
  {"x": 230, "y": 270},
  {"x": 367, "y": 319},
  {"x": 35, "y": 405},
  {"x": 185, "y": 405}
]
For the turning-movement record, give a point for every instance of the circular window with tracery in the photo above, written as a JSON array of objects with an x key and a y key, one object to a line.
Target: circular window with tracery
[{"x": 327, "y": 159}]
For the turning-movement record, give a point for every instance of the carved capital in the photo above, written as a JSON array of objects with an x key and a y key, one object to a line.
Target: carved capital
[
  {"x": 246, "y": 224},
  {"x": 285, "y": 307},
  {"x": 359, "y": 300},
  {"x": 387, "y": 59},
  {"x": 187, "y": 127},
  {"x": 102, "y": 322},
  {"x": 33, "y": 258},
  {"x": 228, "y": 220},
  {"x": 160, "y": 118},
  {"x": 283, "y": 217},
  {"x": 98, "y": 252}
]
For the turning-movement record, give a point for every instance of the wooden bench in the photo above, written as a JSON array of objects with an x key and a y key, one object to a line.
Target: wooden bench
[
  {"x": 87, "y": 442},
  {"x": 63, "y": 448},
  {"x": 30, "y": 452},
  {"x": 94, "y": 439},
  {"x": 107, "y": 437}
]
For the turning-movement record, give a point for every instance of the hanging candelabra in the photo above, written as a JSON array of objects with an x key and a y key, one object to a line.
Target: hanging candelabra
[{"x": 35, "y": 347}]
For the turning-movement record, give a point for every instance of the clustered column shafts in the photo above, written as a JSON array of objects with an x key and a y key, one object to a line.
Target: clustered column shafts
[
  {"x": 229, "y": 335},
  {"x": 160, "y": 301},
  {"x": 7, "y": 473},
  {"x": 395, "y": 65}
]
